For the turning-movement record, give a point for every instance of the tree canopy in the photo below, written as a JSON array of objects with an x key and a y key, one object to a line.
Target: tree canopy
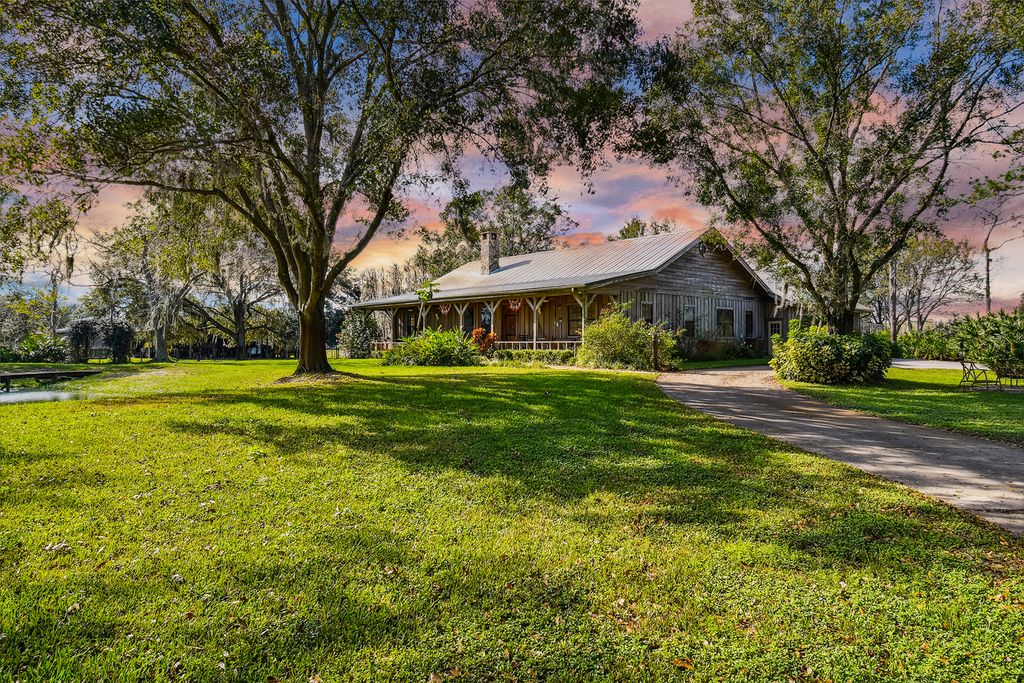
[
  {"x": 308, "y": 115},
  {"x": 33, "y": 233},
  {"x": 826, "y": 131},
  {"x": 638, "y": 227}
]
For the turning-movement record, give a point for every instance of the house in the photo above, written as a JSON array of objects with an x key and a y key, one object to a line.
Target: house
[{"x": 544, "y": 300}]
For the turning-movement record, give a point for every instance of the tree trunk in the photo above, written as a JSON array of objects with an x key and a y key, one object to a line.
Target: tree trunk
[
  {"x": 894, "y": 323},
  {"x": 160, "y": 343},
  {"x": 240, "y": 345},
  {"x": 988, "y": 277},
  {"x": 240, "y": 334},
  {"x": 313, "y": 341},
  {"x": 842, "y": 322}
]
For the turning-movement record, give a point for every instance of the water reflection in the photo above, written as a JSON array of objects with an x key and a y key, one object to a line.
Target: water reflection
[{"x": 35, "y": 396}]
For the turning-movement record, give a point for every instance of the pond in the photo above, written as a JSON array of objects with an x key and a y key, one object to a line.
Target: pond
[{"x": 36, "y": 395}]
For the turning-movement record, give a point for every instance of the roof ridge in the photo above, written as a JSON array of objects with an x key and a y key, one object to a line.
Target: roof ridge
[{"x": 585, "y": 245}]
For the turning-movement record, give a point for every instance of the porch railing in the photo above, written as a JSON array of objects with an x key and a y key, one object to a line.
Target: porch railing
[{"x": 540, "y": 345}]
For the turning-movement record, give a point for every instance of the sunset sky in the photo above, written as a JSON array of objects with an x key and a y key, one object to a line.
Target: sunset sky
[{"x": 618, "y": 191}]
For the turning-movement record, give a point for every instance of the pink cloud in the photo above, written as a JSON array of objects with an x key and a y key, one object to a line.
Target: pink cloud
[
  {"x": 662, "y": 17},
  {"x": 577, "y": 239}
]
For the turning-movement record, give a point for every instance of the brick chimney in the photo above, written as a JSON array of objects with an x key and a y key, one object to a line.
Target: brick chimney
[{"x": 488, "y": 252}]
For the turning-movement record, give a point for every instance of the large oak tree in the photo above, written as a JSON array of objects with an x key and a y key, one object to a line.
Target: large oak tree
[
  {"x": 827, "y": 130},
  {"x": 307, "y": 115}
]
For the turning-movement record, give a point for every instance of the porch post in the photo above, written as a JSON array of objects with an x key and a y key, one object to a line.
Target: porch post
[
  {"x": 492, "y": 308},
  {"x": 460, "y": 310},
  {"x": 584, "y": 301},
  {"x": 390, "y": 313},
  {"x": 535, "y": 304},
  {"x": 424, "y": 310}
]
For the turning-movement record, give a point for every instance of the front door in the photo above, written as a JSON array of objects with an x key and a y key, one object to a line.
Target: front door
[{"x": 508, "y": 325}]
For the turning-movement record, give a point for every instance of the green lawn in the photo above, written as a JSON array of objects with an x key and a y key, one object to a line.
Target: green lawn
[
  {"x": 202, "y": 522},
  {"x": 933, "y": 398}
]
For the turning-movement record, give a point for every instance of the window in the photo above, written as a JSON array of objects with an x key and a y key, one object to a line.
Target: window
[
  {"x": 774, "y": 327},
  {"x": 725, "y": 324},
  {"x": 690, "y": 321},
  {"x": 411, "y": 320},
  {"x": 468, "y": 319},
  {"x": 647, "y": 307},
  {"x": 575, "y": 315},
  {"x": 748, "y": 324},
  {"x": 485, "y": 319}
]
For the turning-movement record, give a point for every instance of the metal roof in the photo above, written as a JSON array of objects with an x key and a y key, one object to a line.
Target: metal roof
[{"x": 584, "y": 266}]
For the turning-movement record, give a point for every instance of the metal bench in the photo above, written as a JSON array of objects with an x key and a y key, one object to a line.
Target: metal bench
[
  {"x": 52, "y": 375},
  {"x": 976, "y": 376}
]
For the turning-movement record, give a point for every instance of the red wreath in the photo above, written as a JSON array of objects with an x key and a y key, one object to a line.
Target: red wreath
[{"x": 515, "y": 304}]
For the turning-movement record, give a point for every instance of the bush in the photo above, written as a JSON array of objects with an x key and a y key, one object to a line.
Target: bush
[
  {"x": 80, "y": 337},
  {"x": 42, "y": 348},
  {"x": 358, "y": 332},
  {"x": 483, "y": 340},
  {"x": 811, "y": 354},
  {"x": 997, "y": 340},
  {"x": 615, "y": 341},
  {"x": 433, "y": 347},
  {"x": 118, "y": 337},
  {"x": 934, "y": 344},
  {"x": 710, "y": 348},
  {"x": 529, "y": 356}
]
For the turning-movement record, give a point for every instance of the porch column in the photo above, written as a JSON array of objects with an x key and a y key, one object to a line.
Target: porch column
[
  {"x": 492, "y": 308},
  {"x": 460, "y": 309},
  {"x": 535, "y": 304},
  {"x": 424, "y": 310},
  {"x": 584, "y": 300}
]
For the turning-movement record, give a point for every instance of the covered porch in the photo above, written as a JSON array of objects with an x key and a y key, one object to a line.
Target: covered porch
[{"x": 540, "y": 320}]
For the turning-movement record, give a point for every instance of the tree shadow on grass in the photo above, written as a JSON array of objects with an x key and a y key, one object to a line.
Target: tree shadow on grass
[
  {"x": 608, "y": 457},
  {"x": 281, "y": 615},
  {"x": 561, "y": 437}
]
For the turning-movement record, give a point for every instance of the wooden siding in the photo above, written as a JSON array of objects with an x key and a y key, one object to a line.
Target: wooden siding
[{"x": 706, "y": 282}]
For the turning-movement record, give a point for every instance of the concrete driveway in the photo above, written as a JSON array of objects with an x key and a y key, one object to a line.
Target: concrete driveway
[
  {"x": 914, "y": 364},
  {"x": 982, "y": 476}
]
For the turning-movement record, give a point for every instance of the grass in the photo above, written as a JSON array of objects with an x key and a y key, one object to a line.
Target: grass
[
  {"x": 932, "y": 398},
  {"x": 202, "y": 522}
]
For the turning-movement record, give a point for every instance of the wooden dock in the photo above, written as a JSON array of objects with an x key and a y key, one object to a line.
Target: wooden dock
[{"x": 45, "y": 375}]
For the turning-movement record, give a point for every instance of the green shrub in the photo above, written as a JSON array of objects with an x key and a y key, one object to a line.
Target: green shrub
[
  {"x": 41, "y": 348},
  {"x": 358, "y": 332},
  {"x": 997, "y": 340},
  {"x": 433, "y": 347},
  {"x": 80, "y": 337},
  {"x": 118, "y": 336},
  {"x": 811, "y": 354},
  {"x": 935, "y": 344},
  {"x": 710, "y": 348},
  {"x": 615, "y": 341},
  {"x": 529, "y": 356}
]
